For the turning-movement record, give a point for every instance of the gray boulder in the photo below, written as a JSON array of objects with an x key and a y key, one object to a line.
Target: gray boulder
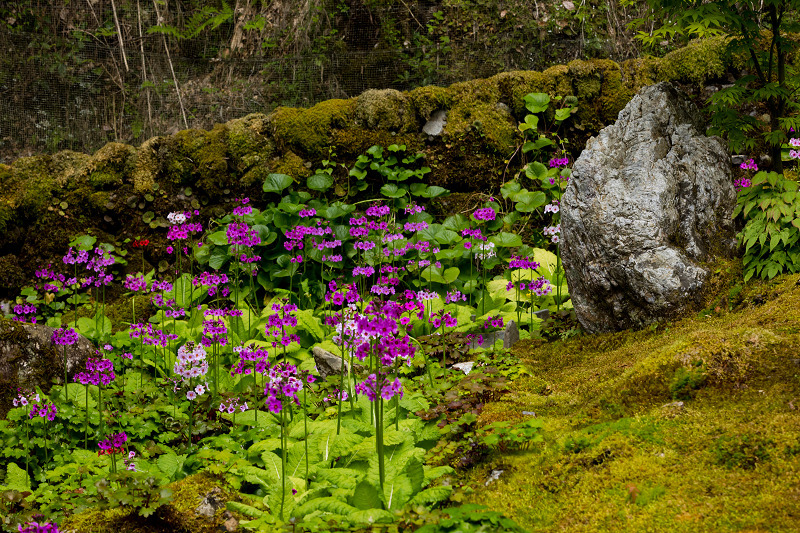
[
  {"x": 28, "y": 359},
  {"x": 649, "y": 201},
  {"x": 328, "y": 364}
]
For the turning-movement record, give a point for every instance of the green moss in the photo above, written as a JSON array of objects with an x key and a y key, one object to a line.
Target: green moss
[
  {"x": 427, "y": 100},
  {"x": 146, "y": 166},
  {"x": 188, "y": 494},
  {"x": 698, "y": 62},
  {"x": 621, "y": 455},
  {"x": 108, "y": 166},
  {"x": 586, "y": 79},
  {"x": 385, "y": 109},
  {"x": 515, "y": 85},
  {"x": 290, "y": 164},
  {"x": 250, "y": 147},
  {"x": 309, "y": 130},
  {"x": 477, "y": 110}
]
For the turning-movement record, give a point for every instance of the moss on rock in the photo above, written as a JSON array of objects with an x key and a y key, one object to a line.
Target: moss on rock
[
  {"x": 309, "y": 130},
  {"x": 698, "y": 62},
  {"x": 385, "y": 109},
  {"x": 429, "y": 99},
  {"x": 146, "y": 165},
  {"x": 109, "y": 166}
]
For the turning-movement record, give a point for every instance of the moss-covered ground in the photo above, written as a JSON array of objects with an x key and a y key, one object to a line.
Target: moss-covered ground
[{"x": 690, "y": 426}]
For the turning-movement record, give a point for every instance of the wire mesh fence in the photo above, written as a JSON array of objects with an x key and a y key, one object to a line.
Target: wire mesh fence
[{"x": 84, "y": 88}]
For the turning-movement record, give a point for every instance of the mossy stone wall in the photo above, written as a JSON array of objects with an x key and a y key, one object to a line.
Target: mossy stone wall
[{"x": 46, "y": 199}]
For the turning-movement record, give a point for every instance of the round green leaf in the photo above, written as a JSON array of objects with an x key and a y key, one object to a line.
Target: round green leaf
[
  {"x": 319, "y": 182},
  {"x": 277, "y": 182},
  {"x": 390, "y": 190}
]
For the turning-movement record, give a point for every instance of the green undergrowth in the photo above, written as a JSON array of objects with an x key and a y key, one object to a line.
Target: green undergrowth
[{"x": 690, "y": 426}]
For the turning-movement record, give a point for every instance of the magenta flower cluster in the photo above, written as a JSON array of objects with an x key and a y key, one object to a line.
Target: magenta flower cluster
[
  {"x": 278, "y": 321},
  {"x": 559, "y": 162},
  {"x": 250, "y": 354},
  {"x": 749, "y": 165},
  {"x": 36, "y": 527},
  {"x": 44, "y": 410},
  {"x": 282, "y": 387},
  {"x": 112, "y": 444},
  {"x": 485, "y": 214},
  {"x": 25, "y": 313},
  {"x": 380, "y": 385},
  {"x": 232, "y": 405},
  {"x": 150, "y": 336},
  {"x": 522, "y": 262},
  {"x": 98, "y": 371},
  {"x": 212, "y": 282}
]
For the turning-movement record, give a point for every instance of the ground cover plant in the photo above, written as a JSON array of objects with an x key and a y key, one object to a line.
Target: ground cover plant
[{"x": 210, "y": 372}]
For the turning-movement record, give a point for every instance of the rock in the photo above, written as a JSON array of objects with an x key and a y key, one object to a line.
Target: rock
[
  {"x": 650, "y": 199},
  {"x": 384, "y": 109},
  {"x": 510, "y": 335},
  {"x": 465, "y": 367},
  {"x": 494, "y": 476},
  {"x": 542, "y": 314},
  {"x": 435, "y": 126},
  {"x": 210, "y": 503},
  {"x": 327, "y": 363},
  {"x": 737, "y": 160},
  {"x": 28, "y": 359}
]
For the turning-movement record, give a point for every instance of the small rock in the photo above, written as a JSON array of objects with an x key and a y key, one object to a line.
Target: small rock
[
  {"x": 466, "y": 367},
  {"x": 764, "y": 160},
  {"x": 569, "y": 6},
  {"x": 210, "y": 503},
  {"x": 542, "y": 314},
  {"x": 327, "y": 363},
  {"x": 737, "y": 160},
  {"x": 494, "y": 476},
  {"x": 230, "y": 523},
  {"x": 528, "y": 413},
  {"x": 510, "y": 335},
  {"x": 435, "y": 126}
]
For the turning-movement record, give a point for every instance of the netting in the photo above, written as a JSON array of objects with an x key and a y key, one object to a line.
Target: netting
[{"x": 87, "y": 90}]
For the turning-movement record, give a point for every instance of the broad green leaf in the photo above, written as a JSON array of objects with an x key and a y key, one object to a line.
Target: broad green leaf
[
  {"x": 536, "y": 170},
  {"x": 390, "y": 190},
  {"x": 17, "y": 478},
  {"x": 220, "y": 238},
  {"x": 507, "y": 240},
  {"x": 319, "y": 182},
  {"x": 277, "y": 182},
  {"x": 366, "y": 496},
  {"x": 536, "y": 102}
]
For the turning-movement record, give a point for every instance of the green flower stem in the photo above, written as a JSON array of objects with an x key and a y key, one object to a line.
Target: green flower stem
[
  {"x": 283, "y": 460},
  {"x": 305, "y": 424},
  {"x": 379, "y": 443},
  {"x": 558, "y": 277},
  {"x": 86, "y": 421},
  {"x": 27, "y": 442}
]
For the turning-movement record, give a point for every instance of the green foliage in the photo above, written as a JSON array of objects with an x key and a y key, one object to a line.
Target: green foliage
[
  {"x": 506, "y": 435},
  {"x": 742, "y": 451},
  {"x": 755, "y": 30},
  {"x": 686, "y": 382},
  {"x": 771, "y": 232}
]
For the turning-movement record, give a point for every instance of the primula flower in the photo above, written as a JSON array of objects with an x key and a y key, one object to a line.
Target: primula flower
[
  {"x": 113, "y": 444},
  {"x": 99, "y": 371},
  {"x": 485, "y": 214},
  {"x": 282, "y": 387},
  {"x": 749, "y": 165},
  {"x": 36, "y": 527}
]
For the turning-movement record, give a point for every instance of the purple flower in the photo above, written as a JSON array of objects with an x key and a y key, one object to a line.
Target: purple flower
[
  {"x": 485, "y": 214},
  {"x": 65, "y": 337}
]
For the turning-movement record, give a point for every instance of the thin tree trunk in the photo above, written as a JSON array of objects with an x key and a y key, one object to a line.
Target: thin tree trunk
[
  {"x": 172, "y": 69},
  {"x": 119, "y": 34}
]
